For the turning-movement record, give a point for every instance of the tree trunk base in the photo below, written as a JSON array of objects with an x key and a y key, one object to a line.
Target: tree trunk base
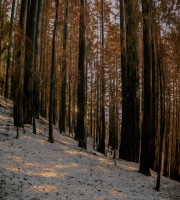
[
  {"x": 146, "y": 173},
  {"x": 51, "y": 140}
]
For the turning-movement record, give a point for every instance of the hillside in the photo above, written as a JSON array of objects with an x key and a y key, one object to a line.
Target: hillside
[{"x": 33, "y": 169}]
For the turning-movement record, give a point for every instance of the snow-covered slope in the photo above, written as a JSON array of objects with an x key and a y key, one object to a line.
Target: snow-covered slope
[{"x": 33, "y": 169}]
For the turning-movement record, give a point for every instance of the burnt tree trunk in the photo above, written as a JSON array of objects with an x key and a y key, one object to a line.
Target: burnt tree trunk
[
  {"x": 147, "y": 92},
  {"x": 81, "y": 134},
  {"x": 53, "y": 77},
  {"x": 130, "y": 133},
  {"x": 7, "y": 88},
  {"x": 102, "y": 135},
  {"x": 29, "y": 61},
  {"x": 17, "y": 92},
  {"x": 62, "y": 117},
  {"x": 162, "y": 122},
  {"x": 37, "y": 81}
]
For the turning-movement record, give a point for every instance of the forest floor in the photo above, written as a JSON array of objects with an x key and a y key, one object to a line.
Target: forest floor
[{"x": 31, "y": 168}]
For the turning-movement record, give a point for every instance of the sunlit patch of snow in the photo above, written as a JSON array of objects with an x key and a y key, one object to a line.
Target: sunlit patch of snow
[
  {"x": 72, "y": 152},
  {"x": 11, "y": 168},
  {"x": 44, "y": 172},
  {"x": 118, "y": 194},
  {"x": 44, "y": 188},
  {"x": 129, "y": 167},
  {"x": 4, "y": 118},
  {"x": 28, "y": 164},
  {"x": 66, "y": 166}
]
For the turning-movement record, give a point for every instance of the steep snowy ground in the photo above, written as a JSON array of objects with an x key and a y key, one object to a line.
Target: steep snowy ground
[{"x": 33, "y": 169}]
